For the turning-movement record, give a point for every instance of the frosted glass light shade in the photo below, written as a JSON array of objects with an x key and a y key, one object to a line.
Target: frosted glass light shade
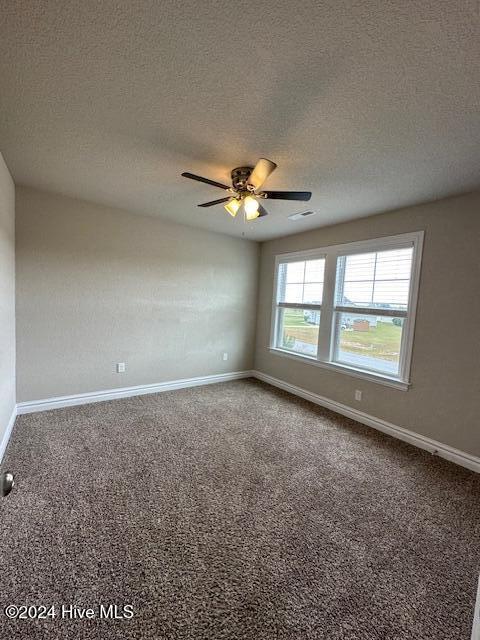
[
  {"x": 232, "y": 206},
  {"x": 251, "y": 205}
]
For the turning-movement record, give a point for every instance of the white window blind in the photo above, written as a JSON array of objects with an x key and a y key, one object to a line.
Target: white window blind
[{"x": 377, "y": 280}]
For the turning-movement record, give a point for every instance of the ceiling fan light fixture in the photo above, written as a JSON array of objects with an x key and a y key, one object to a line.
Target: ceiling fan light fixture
[
  {"x": 245, "y": 189},
  {"x": 250, "y": 204},
  {"x": 232, "y": 206}
]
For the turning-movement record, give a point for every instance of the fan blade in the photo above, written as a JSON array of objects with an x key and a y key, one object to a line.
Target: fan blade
[
  {"x": 213, "y": 202},
  {"x": 289, "y": 195},
  {"x": 263, "y": 212},
  {"x": 262, "y": 170},
  {"x": 192, "y": 176}
]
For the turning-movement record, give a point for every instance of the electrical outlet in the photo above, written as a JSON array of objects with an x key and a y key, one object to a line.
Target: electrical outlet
[
  {"x": 358, "y": 395},
  {"x": 120, "y": 367},
  {"x": 225, "y": 356}
]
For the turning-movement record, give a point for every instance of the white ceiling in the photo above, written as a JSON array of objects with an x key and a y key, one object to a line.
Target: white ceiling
[{"x": 370, "y": 105}]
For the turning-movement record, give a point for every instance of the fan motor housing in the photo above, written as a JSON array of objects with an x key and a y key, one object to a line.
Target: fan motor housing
[{"x": 240, "y": 177}]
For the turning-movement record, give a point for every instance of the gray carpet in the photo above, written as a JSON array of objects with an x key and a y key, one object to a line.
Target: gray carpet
[{"x": 234, "y": 511}]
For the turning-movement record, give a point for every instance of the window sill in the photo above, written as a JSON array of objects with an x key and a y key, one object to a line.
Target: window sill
[{"x": 340, "y": 368}]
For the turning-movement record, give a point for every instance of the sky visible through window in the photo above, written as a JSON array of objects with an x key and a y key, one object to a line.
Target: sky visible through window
[{"x": 302, "y": 282}]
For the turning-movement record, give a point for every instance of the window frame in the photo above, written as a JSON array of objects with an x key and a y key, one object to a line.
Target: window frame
[
  {"x": 327, "y": 329},
  {"x": 312, "y": 255}
]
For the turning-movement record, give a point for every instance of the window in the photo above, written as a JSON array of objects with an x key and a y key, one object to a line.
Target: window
[
  {"x": 299, "y": 304},
  {"x": 350, "y": 307}
]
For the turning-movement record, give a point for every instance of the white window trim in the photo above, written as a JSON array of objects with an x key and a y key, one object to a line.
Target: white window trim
[{"x": 331, "y": 253}]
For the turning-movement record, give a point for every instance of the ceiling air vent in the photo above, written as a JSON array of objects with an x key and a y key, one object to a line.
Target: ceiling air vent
[{"x": 302, "y": 214}]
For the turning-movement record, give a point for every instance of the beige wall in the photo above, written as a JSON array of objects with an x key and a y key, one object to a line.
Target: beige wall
[
  {"x": 443, "y": 402},
  {"x": 97, "y": 286},
  {"x": 7, "y": 297}
]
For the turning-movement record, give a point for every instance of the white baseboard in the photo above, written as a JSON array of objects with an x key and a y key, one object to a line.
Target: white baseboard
[
  {"x": 476, "y": 616},
  {"x": 438, "y": 448},
  {"x": 7, "y": 434},
  {"x": 125, "y": 392}
]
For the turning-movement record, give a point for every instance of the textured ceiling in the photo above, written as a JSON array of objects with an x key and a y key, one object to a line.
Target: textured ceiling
[{"x": 370, "y": 105}]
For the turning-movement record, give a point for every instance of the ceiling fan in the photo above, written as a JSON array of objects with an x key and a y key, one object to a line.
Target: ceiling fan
[{"x": 245, "y": 190}]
